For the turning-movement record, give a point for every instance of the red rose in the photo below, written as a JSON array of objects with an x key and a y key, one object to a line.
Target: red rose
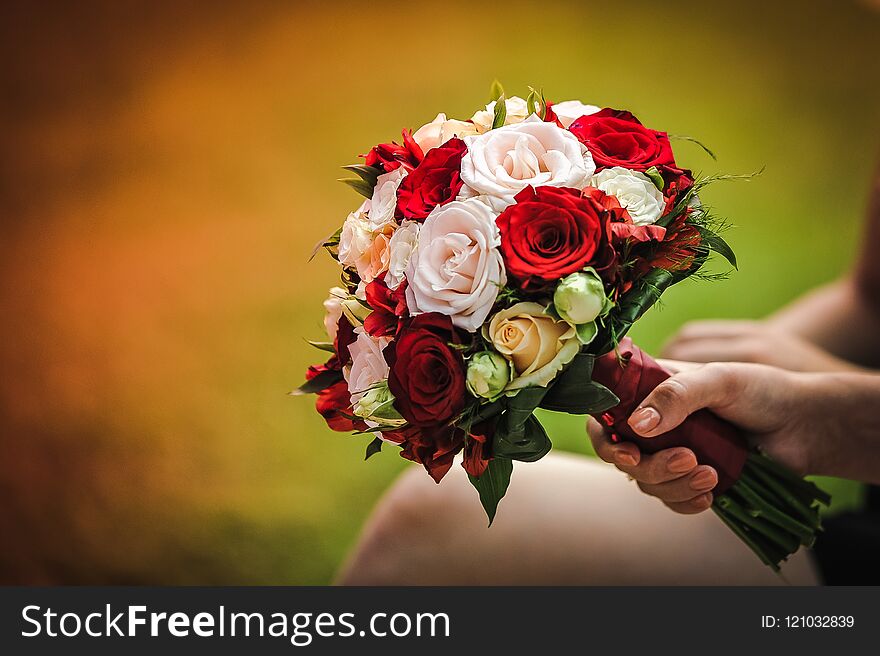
[
  {"x": 435, "y": 181},
  {"x": 388, "y": 306},
  {"x": 433, "y": 448},
  {"x": 389, "y": 156},
  {"x": 553, "y": 231},
  {"x": 427, "y": 374},
  {"x": 617, "y": 138}
]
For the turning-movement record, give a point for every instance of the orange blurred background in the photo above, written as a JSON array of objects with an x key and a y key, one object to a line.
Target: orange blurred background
[{"x": 166, "y": 167}]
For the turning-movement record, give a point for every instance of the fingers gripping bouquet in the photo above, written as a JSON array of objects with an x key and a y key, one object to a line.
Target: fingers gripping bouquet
[{"x": 495, "y": 268}]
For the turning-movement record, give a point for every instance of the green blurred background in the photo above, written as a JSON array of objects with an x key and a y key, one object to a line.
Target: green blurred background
[{"x": 166, "y": 167}]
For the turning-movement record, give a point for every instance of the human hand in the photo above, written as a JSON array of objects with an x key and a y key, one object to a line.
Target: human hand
[
  {"x": 769, "y": 405},
  {"x": 758, "y": 342}
]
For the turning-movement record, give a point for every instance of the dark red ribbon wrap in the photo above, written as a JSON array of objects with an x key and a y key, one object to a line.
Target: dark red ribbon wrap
[{"x": 631, "y": 377}]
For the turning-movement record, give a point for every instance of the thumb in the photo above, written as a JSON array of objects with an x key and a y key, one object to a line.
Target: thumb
[{"x": 678, "y": 396}]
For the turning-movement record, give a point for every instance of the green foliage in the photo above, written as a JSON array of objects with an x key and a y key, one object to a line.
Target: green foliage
[
  {"x": 323, "y": 346},
  {"x": 369, "y": 174},
  {"x": 574, "y": 392},
  {"x": 364, "y": 188},
  {"x": 527, "y": 442},
  {"x": 496, "y": 91},
  {"x": 535, "y": 103},
  {"x": 717, "y": 244},
  {"x": 373, "y": 448},
  {"x": 656, "y": 178},
  {"x": 319, "y": 383},
  {"x": 681, "y": 137},
  {"x": 492, "y": 484},
  {"x": 500, "y": 112}
]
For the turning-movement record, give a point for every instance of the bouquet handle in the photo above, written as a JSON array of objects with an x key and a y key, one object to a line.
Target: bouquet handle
[{"x": 771, "y": 509}]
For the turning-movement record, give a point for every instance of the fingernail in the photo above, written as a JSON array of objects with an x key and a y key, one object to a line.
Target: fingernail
[
  {"x": 624, "y": 458},
  {"x": 644, "y": 419},
  {"x": 681, "y": 463},
  {"x": 705, "y": 480}
]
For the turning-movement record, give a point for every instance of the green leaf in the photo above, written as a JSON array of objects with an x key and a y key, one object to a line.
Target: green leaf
[
  {"x": 330, "y": 241},
  {"x": 492, "y": 484},
  {"x": 535, "y": 103},
  {"x": 522, "y": 405},
  {"x": 528, "y": 443},
  {"x": 633, "y": 305},
  {"x": 500, "y": 112},
  {"x": 495, "y": 90},
  {"x": 656, "y": 178},
  {"x": 716, "y": 243},
  {"x": 586, "y": 332},
  {"x": 319, "y": 383},
  {"x": 574, "y": 391},
  {"x": 589, "y": 398},
  {"x": 363, "y": 188},
  {"x": 323, "y": 346},
  {"x": 369, "y": 174},
  {"x": 373, "y": 448}
]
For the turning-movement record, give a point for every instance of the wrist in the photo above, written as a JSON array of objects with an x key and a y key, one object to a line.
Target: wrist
[
  {"x": 819, "y": 414},
  {"x": 842, "y": 435}
]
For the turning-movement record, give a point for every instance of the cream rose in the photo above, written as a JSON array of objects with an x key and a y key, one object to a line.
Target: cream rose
[
  {"x": 362, "y": 248},
  {"x": 384, "y": 200},
  {"x": 568, "y": 111},
  {"x": 403, "y": 243},
  {"x": 503, "y": 162},
  {"x": 440, "y": 130},
  {"x": 368, "y": 367},
  {"x": 634, "y": 190},
  {"x": 517, "y": 112},
  {"x": 457, "y": 269},
  {"x": 537, "y": 345}
]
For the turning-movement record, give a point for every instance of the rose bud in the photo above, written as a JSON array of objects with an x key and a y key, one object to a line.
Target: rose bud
[
  {"x": 487, "y": 374},
  {"x": 377, "y": 404},
  {"x": 580, "y": 298}
]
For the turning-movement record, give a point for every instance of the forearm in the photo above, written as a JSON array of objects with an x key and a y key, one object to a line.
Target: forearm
[
  {"x": 840, "y": 317},
  {"x": 842, "y": 411}
]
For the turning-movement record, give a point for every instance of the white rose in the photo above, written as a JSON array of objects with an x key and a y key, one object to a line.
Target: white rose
[
  {"x": 503, "y": 162},
  {"x": 403, "y": 243},
  {"x": 333, "y": 310},
  {"x": 568, "y": 111},
  {"x": 362, "y": 248},
  {"x": 536, "y": 344},
  {"x": 440, "y": 130},
  {"x": 634, "y": 190},
  {"x": 384, "y": 200},
  {"x": 517, "y": 112},
  {"x": 457, "y": 269},
  {"x": 368, "y": 367}
]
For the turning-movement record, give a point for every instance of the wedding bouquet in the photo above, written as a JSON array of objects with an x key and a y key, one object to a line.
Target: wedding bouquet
[{"x": 494, "y": 268}]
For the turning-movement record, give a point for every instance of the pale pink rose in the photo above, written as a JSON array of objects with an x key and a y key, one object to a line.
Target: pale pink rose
[
  {"x": 502, "y": 162},
  {"x": 440, "y": 130},
  {"x": 333, "y": 307},
  {"x": 384, "y": 200},
  {"x": 457, "y": 269},
  {"x": 368, "y": 366},
  {"x": 568, "y": 111},
  {"x": 363, "y": 249}
]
